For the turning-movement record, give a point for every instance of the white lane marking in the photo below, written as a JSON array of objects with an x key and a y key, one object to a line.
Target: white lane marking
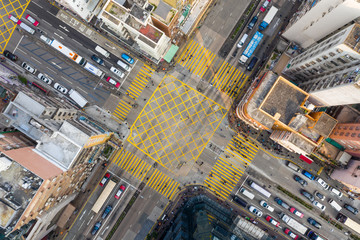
[
  {"x": 47, "y": 22},
  {"x": 51, "y": 70},
  {"x": 35, "y": 60},
  {"x": 37, "y": 4},
  {"x": 22, "y": 51},
  {"x": 18, "y": 43},
  {"x": 82, "y": 90},
  {"x": 77, "y": 42},
  {"x": 64, "y": 27},
  {"x": 53, "y": 63},
  {"x": 90, "y": 220},
  {"x": 82, "y": 214},
  {"x": 58, "y": 35},
  {"x": 66, "y": 80}
]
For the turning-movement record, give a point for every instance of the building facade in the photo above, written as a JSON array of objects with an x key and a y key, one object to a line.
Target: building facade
[
  {"x": 348, "y": 135},
  {"x": 317, "y": 19}
]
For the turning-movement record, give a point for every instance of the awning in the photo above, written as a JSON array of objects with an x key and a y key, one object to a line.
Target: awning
[
  {"x": 171, "y": 53},
  {"x": 306, "y": 159}
]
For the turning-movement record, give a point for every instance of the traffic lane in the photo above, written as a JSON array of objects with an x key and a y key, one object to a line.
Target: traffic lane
[{"x": 60, "y": 71}]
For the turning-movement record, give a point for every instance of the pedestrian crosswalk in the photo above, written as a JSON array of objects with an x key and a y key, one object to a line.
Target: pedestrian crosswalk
[
  {"x": 228, "y": 79},
  {"x": 196, "y": 58},
  {"x": 140, "y": 81},
  {"x": 225, "y": 77},
  {"x": 137, "y": 86},
  {"x": 230, "y": 166},
  {"x": 143, "y": 171}
]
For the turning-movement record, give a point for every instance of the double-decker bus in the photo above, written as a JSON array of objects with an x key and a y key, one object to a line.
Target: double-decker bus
[
  {"x": 67, "y": 52},
  {"x": 103, "y": 196}
]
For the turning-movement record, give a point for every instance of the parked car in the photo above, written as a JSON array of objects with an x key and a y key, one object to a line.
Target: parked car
[
  {"x": 296, "y": 212},
  {"x": 252, "y": 22},
  {"x": 336, "y": 192},
  {"x": 117, "y": 72},
  {"x": 60, "y": 88},
  {"x": 120, "y": 191},
  {"x": 113, "y": 82},
  {"x": 10, "y": 55},
  {"x": 319, "y": 205},
  {"x": 307, "y": 195},
  {"x": 127, "y": 58},
  {"x": 308, "y": 175},
  {"x": 319, "y": 195},
  {"x": 267, "y": 206},
  {"x": 106, "y": 211},
  {"x": 271, "y": 220},
  {"x": 256, "y": 211},
  {"x": 97, "y": 60},
  {"x": 96, "y": 228},
  {"x": 28, "y": 68},
  {"x": 351, "y": 209},
  {"x": 105, "y": 179},
  {"x": 45, "y": 79},
  {"x": 281, "y": 203},
  {"x": 264, "y": 6},
  {"x": 32, "y": 20},
  {"x": 300, "y": 180},
  {"x": 314, "y": 223},
  {"x": 14, "y": 19},
  {"x": 240, "y": 201},
  {"x": 291, "y": 234},
  {"x": 322, "y": 183}
]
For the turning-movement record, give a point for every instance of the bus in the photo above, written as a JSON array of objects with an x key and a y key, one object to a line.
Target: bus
[
  {"x": 261, "y": 190},
  {"x": 67, "y": 52},
  {"x": 348, "y": 222},
  {"x": 249, "y": 50},
  {"x": 104, "y": 195}
]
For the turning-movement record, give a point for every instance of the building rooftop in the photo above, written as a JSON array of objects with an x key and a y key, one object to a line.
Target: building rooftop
[
  {"x": 162, "y": 10},
  {"x": 139, "y": 13},
  {"x": 283, "y": 101},
  {"x": 325, "y": 125},
  {"x": 18, "y": 185},
  {"x": 350, "y": 175},
  {"x": 353, "y": 38}
]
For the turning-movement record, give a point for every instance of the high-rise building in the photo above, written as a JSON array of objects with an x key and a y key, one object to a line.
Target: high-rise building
[
  {"x": 348, "y": 135},
  {"x": 317, "y": 19},
  {"x": 53, "y": 154},
  {"x": 335, "y": 53}
]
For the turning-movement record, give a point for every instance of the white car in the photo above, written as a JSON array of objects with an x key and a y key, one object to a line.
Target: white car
[
  {"x": 267, "y": 206},
  {"x": 28, "y": 68},
  {"x": 319, "y": 205},
  {"x": 322, "y": 183},
  {"x": 117, "y": 72},
  {"x": 45, "y": 79},
  {"x": 60, "y": 88},
  {"x": 256, "y": 211}
]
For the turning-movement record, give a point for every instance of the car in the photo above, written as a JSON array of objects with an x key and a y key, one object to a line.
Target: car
[
  {"x": 307, "y": 195},
  {"x": 113, "y": 82},
  {"x": 96, "y": 228},
  {"x": 291, "y": 234},
  {"x": 281, "y": 203},
  {"x": 300, "y": 180},
  {"x": 336, "y": 192},
  {"x": 105, "y": 179},
  {"x": 106, "y": 211},
  {"x": 308, "y": 175},
  {"x": 319, "y": 205},
  {"x": 314, "y": 223},
  {"x": 296, "y": 212},
  {"x": 312, "y": 235},
  {"x": 45, "y": 79},
  {"x": 117, "y": 72},
  {"x": 264, "y": 6},
  {"x": 322, "y": 183},
  {"x": 267, "y": 206},
  {"x": 97, "y": 60},
  {"x": 252, "y": 22},
  {"x": 120, "y": 191},
  {"x": 256, "y": 211},
  {"x": 14, "y": 19},
  {"x": 28, "y": 68},
  {"x": 319, "y": 195},
  {"x": 127, "y": 58},
  {"x": 60, "y": 88},
  {"x": 252, "y": 63},
  {"x": 32, "y": 20},
  {"x": 271, "y": 220},
  {"x": 351, "y": 209},
  {"x": 10, "y": 56},
  {"x": 240, "y": 201}
]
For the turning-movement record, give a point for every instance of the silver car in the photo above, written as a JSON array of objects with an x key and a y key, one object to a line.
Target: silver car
[
  {"x": 256, "y": 211},
  {"x": 43, "y": 78},
  {"x": 60, "y": 88},
  {"x": 28, "y": 68}
]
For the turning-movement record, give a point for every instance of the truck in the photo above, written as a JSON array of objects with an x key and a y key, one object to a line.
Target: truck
[
  {"x": 94, "y": 70},
  {"x": 250, "y": 48},
  {"x": 259, "y": 189},
  {"x": 348, "y": 222},
  {"x": 268, "y": 18},
  {"x": 295, "y": 225},
  {"x": 77, "y": 98}
]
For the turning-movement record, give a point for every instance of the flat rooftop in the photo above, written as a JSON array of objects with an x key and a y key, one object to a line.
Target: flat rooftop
[
  {"x": 283, "y": 101},
  {"x": 325, "y": 125}
]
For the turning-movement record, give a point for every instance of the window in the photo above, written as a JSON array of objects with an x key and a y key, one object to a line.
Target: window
[
  {"x": 324, "y": 57},
  {"x": 339, "y": 50},
  {"x": 353, "y": 134},
  {"x": 347, "y": 134},
  {"x": 342, "y": 133},
  {"x": 307, "y": 65},
  {"x": 318, "y": 60},
  {"x": 312, "y": 63},
  {"x": 331, "y": 54},
  {"x": 357, "y": 128},
  {"x": 351, "y": 128}
]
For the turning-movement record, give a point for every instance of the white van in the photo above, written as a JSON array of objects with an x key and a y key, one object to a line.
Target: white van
[
  {"x": 293, "y": 166},
  {"x": 123, "y": 65},
  {"x": 335, "y": 205},
  {"x": 336, "y": 192},
  {"x": 242, "y": 40},
  {"x": 45, "y": 39},
  {"x": 102, "y": 51},
  {"x": 247, "y": 193},
  {"x": 322, "y": 183}
]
